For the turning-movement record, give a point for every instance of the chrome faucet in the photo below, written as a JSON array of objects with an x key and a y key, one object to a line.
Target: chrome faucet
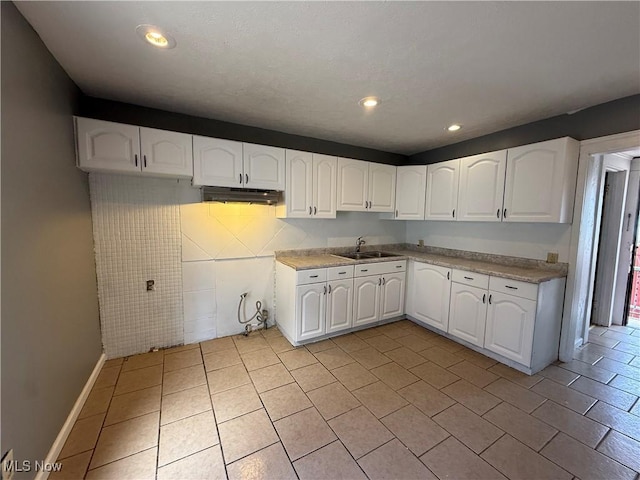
[{"x": 359, "y": 243}]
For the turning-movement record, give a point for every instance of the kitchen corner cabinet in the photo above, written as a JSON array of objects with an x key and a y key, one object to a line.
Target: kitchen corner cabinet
[
  {"x": 541, "y": 181},
  {"x": 119, "y": 148},
  {"x": 310, "y": 190},
  {"x": 365, "y": 186},
  {"x": 429, "y": 289},
  {"x": 481, "y": 187},
  {"x": 442, "y": 190},
  {"x": 411, "y": 184}
]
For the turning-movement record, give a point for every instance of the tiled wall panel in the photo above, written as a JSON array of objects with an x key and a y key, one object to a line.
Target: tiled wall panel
[{"x": 136, "y": 226}]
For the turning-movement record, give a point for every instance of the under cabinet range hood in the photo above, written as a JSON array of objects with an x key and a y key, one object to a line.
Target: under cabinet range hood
[{"x": 240, "y": 195}]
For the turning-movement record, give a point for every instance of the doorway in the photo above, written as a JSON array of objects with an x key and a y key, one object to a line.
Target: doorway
[{"x": 630, "y": 242}]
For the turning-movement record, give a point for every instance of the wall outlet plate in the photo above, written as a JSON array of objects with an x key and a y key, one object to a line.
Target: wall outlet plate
[
  {"x": 552, "y": 257},
  {"x": 421, "y": 243},
  {"x": 7, "y": 465}
]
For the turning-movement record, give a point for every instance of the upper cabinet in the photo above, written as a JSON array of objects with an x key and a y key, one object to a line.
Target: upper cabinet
[
  {"x": 114, "y": 147},
  {"x": 481, "y": 187},
  {"x": 411, "y": 183},
  {"x": 263, "y": 166},
  {"x": 442, "y": 190},
  {"x": 310, "y": 190},
  {"x": 365, "y": 186},
  {"x": 540, "y": 182}
]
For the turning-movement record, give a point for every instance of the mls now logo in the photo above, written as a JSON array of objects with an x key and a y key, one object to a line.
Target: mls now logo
[{"x": 12, "y": 466}]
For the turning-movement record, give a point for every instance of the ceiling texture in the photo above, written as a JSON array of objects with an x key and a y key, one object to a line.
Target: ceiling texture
[{"x": 301, "y": 67}]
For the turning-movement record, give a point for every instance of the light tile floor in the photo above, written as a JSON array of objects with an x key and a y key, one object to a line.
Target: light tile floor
[{"x": 396, "y": 402}]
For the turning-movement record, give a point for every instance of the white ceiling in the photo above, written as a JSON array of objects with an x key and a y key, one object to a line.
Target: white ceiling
[{"x": 301, "y": 67}]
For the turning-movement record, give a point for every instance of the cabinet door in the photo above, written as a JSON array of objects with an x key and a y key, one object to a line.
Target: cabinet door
[
  {"x": 468, "y": 313},
  {"x": 510, "y": 322},
  {"x": 217, "y": 162},
  {"x": 482, "y": 187},
  {"x": 392, "y": 295},
  {"x": 382, "y": 187},
  {"x": 428, "y": 296},
  {"x": 107, "y": 146},
  {"x": 166, "y": 153},
  {"x": 263, "y": 166},
  {"x": 339, "y": 305},
  {"x": 310, "y": 310},
  {"x": 537, "y": 187},
  {"x": 299, "y": 181},
  {"x": 366, "y": 300},
  {"x": 353, "y": 184},
  {"x": 325, "y": 170},
  {"x": 442, "y": 190},
  {"x": 411, "y": 184}
]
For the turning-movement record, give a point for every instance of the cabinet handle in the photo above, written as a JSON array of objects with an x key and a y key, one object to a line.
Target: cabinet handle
[
  {"x": 246, "y": 178},
  {"x": 396, "y": 213},
  {"x": 329, "y": 289},
  {"x": 384, "y": 281},
  {"x": 325, "y": 290},
  {"x": 490, "y": 299},
  {"x": 484, "y": 297},
  {"x": 240, "y": 178},
  {"x": 628, "y": 221},
  {"x": 342, "y": 273},
  {"x": 504, "y": 213},
  {"x": 498, "y": 214},
  {"x": 398, "y": 266},
  {"x": 310, "y": 211},
  {"x": 448, "y": 275},
  {"x": 468, "y": 278},
  {"x": 313, "y": 276},
  {"x": 364, "y": 270},
  {"x": 135, "y": 157},
  {"x": 144, "y": 159},
  {"x": 380, "y": 281},
  {"x": 315, "y": 210},
  {"x": 453, "y": 214},
  {"x": 512, "y": 288}
]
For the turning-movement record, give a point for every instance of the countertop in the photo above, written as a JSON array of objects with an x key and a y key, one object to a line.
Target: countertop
[{"x": 514, "y": 268}]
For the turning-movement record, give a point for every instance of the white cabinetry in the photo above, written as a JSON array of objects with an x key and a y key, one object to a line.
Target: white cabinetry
[
  {"x": 310, "y": 310},
  {"x": 481, "y": 187},
  {"x": 224, "y": 163},
  {"x": 339, "y": 305},
  {"x": 378, "y": 291},
  {"x": 118, "y": 148},
  {"x": 365, "y": 187},
  {"x": 411, "y": 184},
  {"x": 541, "y": 181},
  {"x": 429, "y": 288},
  {"x": 310, "y": 186},
  {"x": 442, "y": 190},
  {"x": 468, "y": 310}
]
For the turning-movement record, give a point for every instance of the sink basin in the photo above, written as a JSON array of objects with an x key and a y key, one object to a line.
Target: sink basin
[{"x": 366, "y": 255}]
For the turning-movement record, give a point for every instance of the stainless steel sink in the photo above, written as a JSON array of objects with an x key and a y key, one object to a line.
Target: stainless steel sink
[
  {"x": 366, "y": 255},
  {"x": 380, "y": 254}
]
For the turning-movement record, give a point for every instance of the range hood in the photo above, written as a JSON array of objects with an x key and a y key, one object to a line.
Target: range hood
[{"x": 240, "y": 195}]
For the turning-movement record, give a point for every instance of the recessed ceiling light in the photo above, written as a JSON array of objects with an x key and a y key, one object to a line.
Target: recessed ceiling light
[
  {"x": 155, "y": 36},
  {"x": 369, "y": 102},
  {"x": 454, "y": 128}
]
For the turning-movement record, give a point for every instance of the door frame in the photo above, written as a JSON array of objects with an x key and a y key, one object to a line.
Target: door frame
[{"x": 575, "y": 314}]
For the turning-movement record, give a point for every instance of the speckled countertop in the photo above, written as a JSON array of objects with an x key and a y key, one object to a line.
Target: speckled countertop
[{"x": 514, "y": 268}]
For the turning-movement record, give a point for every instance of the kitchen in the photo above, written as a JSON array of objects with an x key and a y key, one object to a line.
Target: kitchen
[{"x": 216, "y": 242}]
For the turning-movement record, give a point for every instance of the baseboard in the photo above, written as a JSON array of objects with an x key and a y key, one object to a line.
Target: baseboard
[{"x": 56, "y": 448}]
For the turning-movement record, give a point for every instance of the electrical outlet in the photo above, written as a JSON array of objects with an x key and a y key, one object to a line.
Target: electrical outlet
[
  {"x": 8, "y": 465},
  {"x": 552, "y": 257},
  {"x": 421, "y": 243}
]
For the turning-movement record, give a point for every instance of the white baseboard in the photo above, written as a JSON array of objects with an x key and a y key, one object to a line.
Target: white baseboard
[{"x": 56, "y": 448}]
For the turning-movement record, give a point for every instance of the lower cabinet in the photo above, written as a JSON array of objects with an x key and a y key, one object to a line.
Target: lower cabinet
[
  {"x": 339, "y": 305},
  {"x": 310, "y": 310},
  {"x": 428, "y": 292},
  {"x": 378, "y": 297},
  {"x": 468, "y": 313}
]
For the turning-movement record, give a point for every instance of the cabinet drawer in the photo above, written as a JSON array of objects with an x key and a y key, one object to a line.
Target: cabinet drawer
[
  {"x": 514, "y": 287},
  {"x": 470, "y": 278},
  {"x": 380, "y": 268},
  {"x": 311, "y": 276},
  {"x": 338, "y": 273}
]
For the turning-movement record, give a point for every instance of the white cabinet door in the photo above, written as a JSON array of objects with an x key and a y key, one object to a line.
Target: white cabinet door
[
  {"x": 353, "y": 185},
  {"x": 392, "y": 295},
  {"x": 382, "y": 187},
  {"x": 310, "y": 310},
  {"x": 108, "y": 146},
  {"x": 339, "y": 305},
  {"x": 442, "y": 190},
  {"x": 217, "y": 162},
  {"x": 468, "y": 313},
  {"x": 540, "y": 182},
  {"x": 482, "y": 187},
  {"x": 366, "y": 300},
  {"x": 428, "y": 295},
  {"x": 166, "y": 153},
  {"x": 299, "y": 184},
  {"x": 510, "y": 323},
  {"x": 324, "y": 186},
  {"x": 411, "y": 184},
  {"x": 263, "y": 166}
]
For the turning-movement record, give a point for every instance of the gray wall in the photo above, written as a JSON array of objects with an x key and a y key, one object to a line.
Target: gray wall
[
  {"x": 148, "y": 117},
  {"x": 50, "y": 327},
  {"x": 618, "y": 116}
]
